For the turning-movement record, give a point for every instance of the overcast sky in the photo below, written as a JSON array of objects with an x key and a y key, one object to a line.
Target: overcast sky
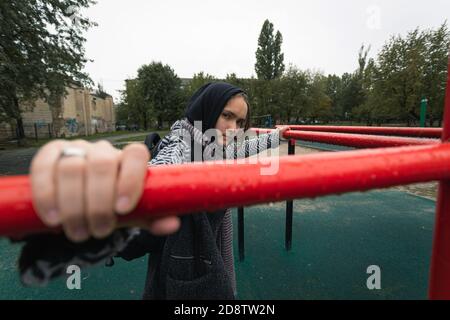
[{"x": 220, "y": 37}]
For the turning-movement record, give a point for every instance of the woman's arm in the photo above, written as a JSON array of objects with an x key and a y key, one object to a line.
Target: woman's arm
[
  {"x": 253, "y": 146},
  {"x": 175, "y": 151}
]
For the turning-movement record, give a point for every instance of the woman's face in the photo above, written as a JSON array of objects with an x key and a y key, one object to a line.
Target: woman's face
[{"x": 232, "y": 118}]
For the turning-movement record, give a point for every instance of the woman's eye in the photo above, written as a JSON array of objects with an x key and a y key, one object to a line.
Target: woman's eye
[{"x": 226, "y": 115}]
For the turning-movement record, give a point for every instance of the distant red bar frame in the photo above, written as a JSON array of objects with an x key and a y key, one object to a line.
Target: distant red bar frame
[
  {"x": 385, "y": 131},
  {"x": 357, "y": 140},
  {"x": 363, "y": 141}
]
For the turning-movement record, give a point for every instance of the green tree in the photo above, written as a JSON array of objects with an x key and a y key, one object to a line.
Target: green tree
[
  {"x": 198, "y": 80},
  {"x": 435, "y": 73},
  {"x": 132, "y": 110},
  {"x": 159, "y": 89},
  {"x": 41, "y": 52},
  {"x": 278, "y": 56},
  {"x": 358, "y": 102},
  {"x": 333, "y": 89},
  {"x": 355, "y": 85},
  {"x": 399, "y": 78},
  {"x": 263, "y": 99},
  {"x": 269, "y": 58},
  {"x": 348, "y": 94},
  {"x": 294, "y": 91},
  {"x": 234, "y": 80},
  {"x": 318, "y": 103}
]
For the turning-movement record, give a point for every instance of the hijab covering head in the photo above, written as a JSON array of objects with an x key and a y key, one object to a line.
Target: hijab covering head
[{"x": 208, "y": 102}]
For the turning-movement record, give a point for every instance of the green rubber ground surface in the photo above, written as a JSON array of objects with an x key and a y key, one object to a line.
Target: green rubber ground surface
[{"x": 335, "y": 239}]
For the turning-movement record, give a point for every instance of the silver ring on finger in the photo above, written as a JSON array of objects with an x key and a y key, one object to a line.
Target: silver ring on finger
[{"x": 71, "y": 152}]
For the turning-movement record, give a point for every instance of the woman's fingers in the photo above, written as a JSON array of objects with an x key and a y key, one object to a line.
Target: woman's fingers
[
  {"x": 160, "y": 226},
  {"x": 43, "y": 182},
  {"x": 133, "y": 171},
  {"x": 70, "y": 194},
  {"x": 101, "y": 176},
  {"x": 283, "y": 129},
  {"x": 164, "y": 226},
  {"x": 83, "y": 194}
]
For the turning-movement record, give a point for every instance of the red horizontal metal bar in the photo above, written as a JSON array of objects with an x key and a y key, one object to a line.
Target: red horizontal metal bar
[
  {"x": 180, "y": 189},
  {"x": 440, "y": 262},
  {"x": 386, "y": 131},
  {"x": 357, "y": 140},
  {"x": 351, "y": 140}
]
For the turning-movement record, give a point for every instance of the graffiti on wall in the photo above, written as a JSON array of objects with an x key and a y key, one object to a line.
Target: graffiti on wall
[
  {"x": 99, "y": 125},
  {"x": 72, "y": 125},
  {"x": 41, "y": 124}
]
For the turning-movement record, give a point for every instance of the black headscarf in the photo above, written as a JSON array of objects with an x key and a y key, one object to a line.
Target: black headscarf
[{"x": 208, "y": 102}]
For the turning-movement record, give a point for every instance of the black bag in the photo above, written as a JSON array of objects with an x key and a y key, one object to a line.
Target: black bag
[{"x": 152, "y": 141}]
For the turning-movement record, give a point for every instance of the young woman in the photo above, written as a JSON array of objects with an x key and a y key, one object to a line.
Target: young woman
[{"x": 83, "y": 186}]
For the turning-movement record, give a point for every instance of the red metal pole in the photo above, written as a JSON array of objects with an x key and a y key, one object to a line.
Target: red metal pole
[
  {"x": 386, "y": 131},
  {"x": 351, "y": 140},
  {"x": 357, "y": 140},
  {"x": 440, "y": 261},
  {"x": 181, "y": 189}
]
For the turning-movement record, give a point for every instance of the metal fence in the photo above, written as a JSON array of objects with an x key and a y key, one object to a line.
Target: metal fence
[{"x": 36, "y": 131}]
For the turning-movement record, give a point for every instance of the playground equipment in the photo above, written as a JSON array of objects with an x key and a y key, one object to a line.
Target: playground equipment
[
  {"x": 353, "y": 140},
  {"x": 385, "y": 131},
  {"x": 181, "y": 189}
]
